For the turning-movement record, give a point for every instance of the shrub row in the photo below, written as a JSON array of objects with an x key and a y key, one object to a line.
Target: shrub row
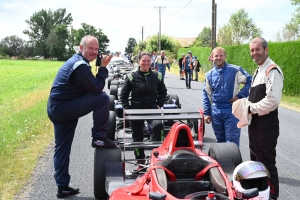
[{"x": 284, "y": 54}]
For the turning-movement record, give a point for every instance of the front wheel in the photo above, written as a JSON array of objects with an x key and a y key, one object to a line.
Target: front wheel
[
  {"x": 112, "y": 126},
  {"x": 101, "y": 156},
  {"x": 114, "y": 91}
]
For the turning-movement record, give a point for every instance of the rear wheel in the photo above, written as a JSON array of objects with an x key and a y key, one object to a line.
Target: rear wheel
[
  {"x": 114, "y": 91},
  {"x": 101, "y": 156},
  {"x": 227, "y": 154}
]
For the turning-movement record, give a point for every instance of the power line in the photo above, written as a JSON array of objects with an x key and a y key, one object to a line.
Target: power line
[
  {"x": 152, "y": 25},
  {"x": 179, "y": 10}
]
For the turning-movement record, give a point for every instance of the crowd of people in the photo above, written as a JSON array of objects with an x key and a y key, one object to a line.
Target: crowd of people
[{"x": 76, "y": 92}]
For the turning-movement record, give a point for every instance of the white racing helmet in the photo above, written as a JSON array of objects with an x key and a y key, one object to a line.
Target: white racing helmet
[{"x": 249, "y": 175}]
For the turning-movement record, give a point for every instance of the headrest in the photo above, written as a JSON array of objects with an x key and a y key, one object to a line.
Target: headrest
[{"x": 182, "y": 161}]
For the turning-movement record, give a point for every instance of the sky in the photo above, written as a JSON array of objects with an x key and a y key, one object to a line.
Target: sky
[{"x": 124, "y": 19}]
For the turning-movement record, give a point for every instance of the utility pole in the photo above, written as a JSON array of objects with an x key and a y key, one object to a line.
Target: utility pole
[
  {"x": 142, "y": 33},
  {"x": 215, "y": 22},
  {"x": 213, "y": 25},
  {"x": 159, "y": 34}
]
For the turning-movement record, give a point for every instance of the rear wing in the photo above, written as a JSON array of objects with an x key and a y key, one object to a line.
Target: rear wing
[{"x": 164, "y": 114}]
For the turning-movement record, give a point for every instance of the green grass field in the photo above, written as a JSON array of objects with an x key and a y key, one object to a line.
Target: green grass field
[{"x": 25, "y": 130}]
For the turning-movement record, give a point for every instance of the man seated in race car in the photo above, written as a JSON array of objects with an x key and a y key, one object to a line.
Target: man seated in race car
[{"x": 148, "y": 91}]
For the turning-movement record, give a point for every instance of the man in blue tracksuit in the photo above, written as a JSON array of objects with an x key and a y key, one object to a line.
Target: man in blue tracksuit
[
  {"x": 76, "y": 92},
  {"x": 221, "y": 89}
]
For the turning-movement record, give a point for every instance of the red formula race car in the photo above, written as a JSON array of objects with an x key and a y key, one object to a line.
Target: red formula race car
[{"x": 178, "y": 168}]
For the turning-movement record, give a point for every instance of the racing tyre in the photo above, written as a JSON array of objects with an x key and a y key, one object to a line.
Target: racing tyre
[
  {"x": 112, "y": 126},
  {"x": 101, "y": 156},
  {"x": 175, "y": 97},
  {"x": 227, "y": 154},
  {"x": 114, "y": 91},
  {"x": 109, "y": 81},
  {"x": 112, "y": 102},
  {"x": 114, "y": 82}
]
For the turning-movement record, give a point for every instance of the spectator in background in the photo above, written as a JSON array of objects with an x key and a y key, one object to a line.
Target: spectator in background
[
  {"x": 196, "y": 67},
  {"x": 162, "y": 62},
  {"x": 221, "y": 89},
  {"x": 153, "y": 58},
  {"x": 187, "y": 66},
  {"x": 181, "y": 75}
]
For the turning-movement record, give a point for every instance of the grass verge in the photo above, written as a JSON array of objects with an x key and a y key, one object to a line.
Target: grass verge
[{"x": 25, "y": 130}]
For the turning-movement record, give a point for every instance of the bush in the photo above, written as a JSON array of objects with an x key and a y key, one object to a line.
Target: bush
[
  {"x": 21, "y": 57},
  {"x": 4, "y": 56},
  {"x": 284, "y": 54}
]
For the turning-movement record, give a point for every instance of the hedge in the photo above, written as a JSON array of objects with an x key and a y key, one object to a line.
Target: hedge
[{"x": 284, "y": 54}]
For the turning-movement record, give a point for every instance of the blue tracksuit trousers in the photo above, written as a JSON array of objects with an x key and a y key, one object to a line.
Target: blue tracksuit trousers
[
  {"x": 65, "y": 114},
  {"x": 225, "y": 127}
]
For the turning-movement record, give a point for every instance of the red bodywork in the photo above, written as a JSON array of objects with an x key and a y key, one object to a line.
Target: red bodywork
[{"x": 139, "y": 190}]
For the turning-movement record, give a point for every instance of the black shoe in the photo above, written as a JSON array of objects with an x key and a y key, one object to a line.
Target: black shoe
[
  {"x": 196, "y": 80},
  {"x": 66, "y": 191},
  {"x": 104, "y": 143},
  {"x": 189, "y": 86}
]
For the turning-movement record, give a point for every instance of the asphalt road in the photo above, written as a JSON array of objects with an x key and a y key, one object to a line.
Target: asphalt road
[{"x": 42, "y": 184}]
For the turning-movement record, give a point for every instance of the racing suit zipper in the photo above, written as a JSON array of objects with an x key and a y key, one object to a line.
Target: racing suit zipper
[{"x": 147, "y": 83}]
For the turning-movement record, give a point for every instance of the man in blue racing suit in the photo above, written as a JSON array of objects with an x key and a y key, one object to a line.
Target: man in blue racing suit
[
  {"x": 76, "y": 92},
  {"x": 221, "y": 89}
]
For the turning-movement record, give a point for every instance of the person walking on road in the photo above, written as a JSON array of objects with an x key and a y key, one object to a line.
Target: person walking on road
[
  {"x": 181, "y": 75},
  {"x": 187, "y": 66},
  {"x": 265, "y": 95},
  {"x": 76, "y": 92},
  {"x": 161, "y": 63},
  {"x": 153, "y": 58},
  {"x": 221, "y": 89},
  {"x": 196, "y": 67}
]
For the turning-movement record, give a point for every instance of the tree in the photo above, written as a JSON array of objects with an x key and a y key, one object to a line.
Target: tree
[
  {"x": 130, "y": 45},
  {"x": 91, "y": 30},
  {"x": 57, "y": 41},
  {"x": 225, "y": 35},
  {"x": 40, "y": 25},
  {"x": 141, "y": 46},
  {"x": 12, "y": 45},
  {"x": 167, "y": 43},
  {"x": 204, "y": 38},
  {"x": 243, "y": 28},
  {"x": 290, "y": 31}
]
